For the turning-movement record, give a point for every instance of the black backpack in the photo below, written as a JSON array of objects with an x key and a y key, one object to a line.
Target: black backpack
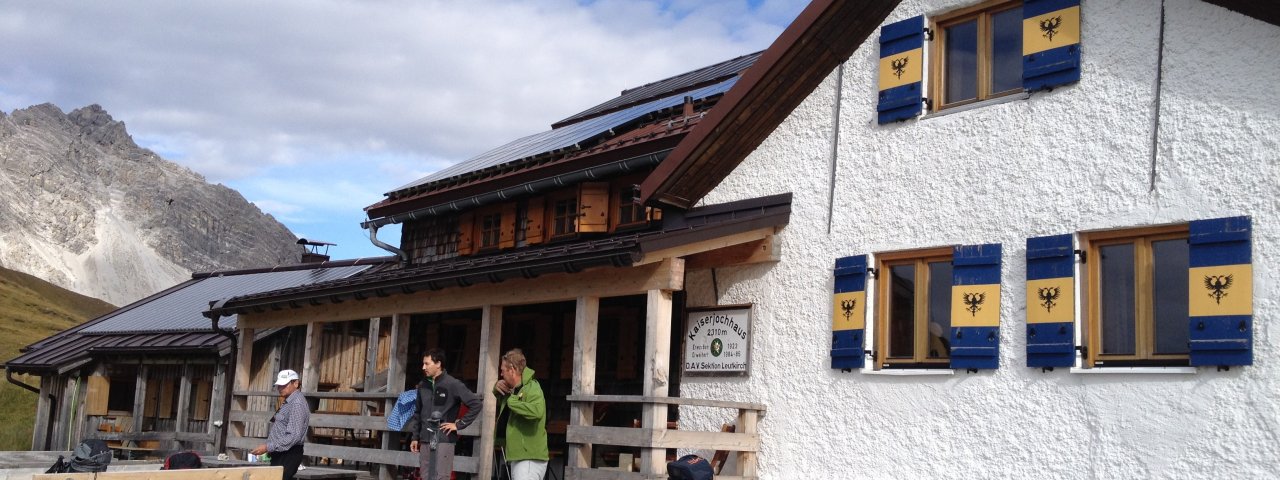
[
  {"x": 182, "y": 461},
  {"x": 690, "y": 467},
  {"x": 91, "y": 455}
]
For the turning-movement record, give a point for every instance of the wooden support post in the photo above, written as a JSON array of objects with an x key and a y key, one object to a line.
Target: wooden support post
[
  {"x": 242, "y": 377},
  {"x": 747, "y": 420},
  {"x": 657, "y": 351},
  {"x": 139, "y": 400},
  {"x": 215, "y": 406},
  {"x": 586, "y": 325},
  {"x": 395, "y": 379},
  {"x": 39, "y": 433},
  {"x": 311, "y": 357},
  {"x": 371, "y": 355},
  {"x": 490, "y": 355},
  {"x": 184, "y": 403}
]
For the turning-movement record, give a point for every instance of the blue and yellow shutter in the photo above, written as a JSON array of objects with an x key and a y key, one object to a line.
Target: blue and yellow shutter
[
  {"x": 1220, "y": 287},
  {"x": 975, "y": 306},
  {"x": 901, "y": 69},
  {"x": 1050, "y": 43},
  {"x": 1050, "y": 302},
  {"x": 848, "y": 312}
]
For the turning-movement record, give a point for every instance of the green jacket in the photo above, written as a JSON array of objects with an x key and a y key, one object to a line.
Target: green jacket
[{"x": 526, "y": 437}]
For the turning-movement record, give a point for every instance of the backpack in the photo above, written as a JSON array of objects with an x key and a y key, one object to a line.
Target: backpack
[
  {"x": 182, "y": 461},
  {"x": 91, "y": 455},
  {"x": 690, "y": 467}
]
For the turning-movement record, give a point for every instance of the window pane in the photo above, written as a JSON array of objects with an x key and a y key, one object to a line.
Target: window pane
[
  {"x": 939, "y": 309},
  {"x": 1006, "y": 50},
  {"x": 962, "y": 62},
  {"x": 902, "y": 311},
  {"x": 1117, "y": 299},
  {"x": 1169, "y": 295}
]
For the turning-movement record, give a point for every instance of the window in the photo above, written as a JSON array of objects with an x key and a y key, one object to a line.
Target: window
[
  {"x": 977, "y": 54},
  {"x": 1138, "y": 296},
  {"x": 630, "y": 212},
  {"x": 914, "y": 318},
  {"x": 564, "y": 216},
  {"x": 490, "y": 229}
]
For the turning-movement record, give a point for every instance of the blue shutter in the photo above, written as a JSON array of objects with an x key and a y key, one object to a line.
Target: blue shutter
[
  {"x": 975, "y": 306},
  {"x": 1220, "y": 288},
  {"x": 848, "y": 312},
  {"x": 1050, "y": 302},
  {"x": 1050, "y": 43},
  {"x": 901, "y": 69}
]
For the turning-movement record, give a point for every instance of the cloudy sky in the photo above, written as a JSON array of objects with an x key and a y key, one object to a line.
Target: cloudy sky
[{"x": 314, "y": 109}]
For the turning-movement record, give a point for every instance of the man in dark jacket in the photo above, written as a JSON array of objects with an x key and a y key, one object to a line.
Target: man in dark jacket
[{"x": 433, "y": 428}]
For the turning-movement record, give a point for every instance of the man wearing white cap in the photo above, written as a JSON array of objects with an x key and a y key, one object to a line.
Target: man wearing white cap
[{"x": 288, "y": 426}]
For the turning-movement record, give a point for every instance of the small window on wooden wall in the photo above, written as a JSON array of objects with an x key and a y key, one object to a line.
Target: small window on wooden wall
[
  {"x": 914, "y": 295},
  {"x": 977, "y": 53},
  {"x": 490, "y": 229},
  {"x": 630, "y": 211},
  {"x": 564, "y": 215},
  {"x": 1138, "y": 296}
]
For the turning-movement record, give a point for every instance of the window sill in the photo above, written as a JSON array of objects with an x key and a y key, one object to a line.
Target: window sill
[
  {"x": 984, "y": 103},
  {"x": 1137, "y": 370},
  {"x": 909, "y": 372}
]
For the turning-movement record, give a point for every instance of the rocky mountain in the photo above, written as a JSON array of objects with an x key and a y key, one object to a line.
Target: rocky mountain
[{"x": 85, "y": 208}]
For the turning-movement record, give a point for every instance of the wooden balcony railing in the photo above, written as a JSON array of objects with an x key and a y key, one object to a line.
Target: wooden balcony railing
[{"x": 744, "y": 442}]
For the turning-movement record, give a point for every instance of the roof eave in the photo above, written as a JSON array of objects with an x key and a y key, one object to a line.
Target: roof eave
[{"x": 822, "y": 37}]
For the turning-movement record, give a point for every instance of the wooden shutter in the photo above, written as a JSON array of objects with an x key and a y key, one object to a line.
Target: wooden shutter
[
  {"x": 466, "y": 234},
  {"x": 151, "y": 397},
  {"x": 99, "y": 388},
  {"x": 593, "y": 207},
  {"x": 167, "y": 391},
  {"x": 1050, "y": 43},
  {"x": 849, "y": 313},
  {"x": 1050, "y": 302},
  {"x": 1220, "y": 300},
  {"x": 901, "y": 69},
  {"x": 975, "y": 306},
  {"x": 533, "y": 230},
  {"x": 507, "y": 235},
  {"x": 204, "y": 395}
]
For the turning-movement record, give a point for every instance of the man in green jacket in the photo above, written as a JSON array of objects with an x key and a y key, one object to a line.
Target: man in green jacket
[{"x": 522, "y": 418}]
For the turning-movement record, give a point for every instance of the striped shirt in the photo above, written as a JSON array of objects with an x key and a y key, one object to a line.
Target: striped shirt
[{"x": 289, "y": 425}]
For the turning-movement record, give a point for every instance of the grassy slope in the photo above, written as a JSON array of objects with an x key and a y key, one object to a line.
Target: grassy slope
[{"x": 30, "y": 310}]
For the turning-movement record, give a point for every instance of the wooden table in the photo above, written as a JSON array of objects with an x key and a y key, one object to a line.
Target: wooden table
[{"x": 308, "y": 473}]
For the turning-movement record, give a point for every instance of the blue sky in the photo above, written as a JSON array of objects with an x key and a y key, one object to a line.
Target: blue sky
[{"x": 314, "y": 109}]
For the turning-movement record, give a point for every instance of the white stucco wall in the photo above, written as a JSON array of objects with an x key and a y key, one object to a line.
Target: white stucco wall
[{"x": 1075, "y": 159}]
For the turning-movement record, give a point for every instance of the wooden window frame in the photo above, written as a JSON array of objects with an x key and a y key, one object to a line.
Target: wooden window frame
[
  {"x": 488, "y": 228},
  {"x": 553, "y": 202},
  {"x": 639, "y": 216},
  {"x": 920, "y": 258},
  {"x": 1144, "y": 302},
  {"x": 982, "y": 12}
]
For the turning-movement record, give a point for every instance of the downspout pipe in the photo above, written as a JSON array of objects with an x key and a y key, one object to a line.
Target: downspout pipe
[
  {"x": 228, "y": 376},
  {"x": 529, "y": 188},
  {"x": 8, "y": 375},
  {"x": 373, "y": 237}
]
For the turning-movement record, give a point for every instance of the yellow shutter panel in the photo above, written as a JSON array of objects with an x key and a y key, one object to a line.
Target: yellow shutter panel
[
  {"x": 152, "y": 398},
  {"x": 533, "y": 231},
  {"x": 593, "y": 199},
  {"x": 167, "y": 391},
  {"x": 95, "y": 402},
  {"x": 507, "y": 236},
  {"x": 466, "y": 224}
]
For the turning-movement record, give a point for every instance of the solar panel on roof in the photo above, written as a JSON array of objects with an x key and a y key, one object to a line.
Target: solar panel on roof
[
  {"x": 181, "y": 309},
  {"x": 567, "y": 136}
]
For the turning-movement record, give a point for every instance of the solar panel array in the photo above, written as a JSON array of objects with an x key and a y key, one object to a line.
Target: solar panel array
[
  {"x": 567, "y": 136},
  {"x": 181, "y": 310}
]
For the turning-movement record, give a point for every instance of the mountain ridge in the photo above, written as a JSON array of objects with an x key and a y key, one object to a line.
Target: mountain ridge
[{"x": 85, "y": 208}]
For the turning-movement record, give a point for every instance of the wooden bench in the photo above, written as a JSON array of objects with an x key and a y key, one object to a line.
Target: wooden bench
[{"x": 232, "y": 473}]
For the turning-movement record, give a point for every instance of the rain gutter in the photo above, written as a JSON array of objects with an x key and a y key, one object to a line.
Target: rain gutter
[{"x": 8, "y": 375}]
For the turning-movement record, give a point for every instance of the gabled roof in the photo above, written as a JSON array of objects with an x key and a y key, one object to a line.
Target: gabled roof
[
  {"x": 171, "y": 320},
  {"x": 824, "y": 35},
  {"x": 619, "y": 250}
]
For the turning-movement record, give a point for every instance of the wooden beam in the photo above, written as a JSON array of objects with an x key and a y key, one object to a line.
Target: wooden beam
[
  {"x": 396, "y": 366},
  {"x": 242, "y": 379},
  {"x": 585, "y": 328},
  {"x": 747, "y": 460},
  {"x": 490, "y": 355},
  {"x": 311, "y": 358},
  {"x": 767, "y": 249},
  {"x": 693, "y": 402},
  {"x": 139, "y": 400},
  {"x": 663, "y": 439},
  {"x": 600, "y": 282},
  {"x": 184, "y": 402},
  {"x": 657, "y": 348},
  {"x": 235, "y": 473},
  {"x": 706, "y": 245}
]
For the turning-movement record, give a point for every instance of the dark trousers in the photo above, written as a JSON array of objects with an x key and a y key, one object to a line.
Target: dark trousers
[
  {"x": 444, "y": 461},
  {"x": 289, "y": 459}
]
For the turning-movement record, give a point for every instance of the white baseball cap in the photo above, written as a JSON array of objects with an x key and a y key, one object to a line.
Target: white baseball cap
[{"x": 285, "y": 377}]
